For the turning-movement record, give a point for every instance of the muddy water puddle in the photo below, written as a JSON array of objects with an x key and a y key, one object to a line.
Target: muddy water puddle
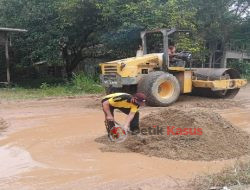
[
  {"x": 54, "y": 147},
  {"x": 15, "y": 161},
  {"x": 67, "y": 148}
]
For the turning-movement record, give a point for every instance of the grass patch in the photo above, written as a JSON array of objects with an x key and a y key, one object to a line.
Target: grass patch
[
  {"x": 79, "y": 85},
  {"x": 239, "y": 176},
  {"x": 246, "y": 77}
]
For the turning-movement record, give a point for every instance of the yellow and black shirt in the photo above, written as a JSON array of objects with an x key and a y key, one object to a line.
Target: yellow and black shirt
[{"x": 121, "y": 100}]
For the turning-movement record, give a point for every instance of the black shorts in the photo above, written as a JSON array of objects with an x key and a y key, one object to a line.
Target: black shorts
[{"x": 134, "y": 125}]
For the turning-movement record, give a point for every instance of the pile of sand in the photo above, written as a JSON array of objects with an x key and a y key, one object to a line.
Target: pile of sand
[
  {"x": 3, "y": 124},
  {"x": 219, "y": 139}
]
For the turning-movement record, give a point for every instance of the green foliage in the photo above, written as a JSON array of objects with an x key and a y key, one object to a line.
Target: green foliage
[
  {"x": 79, "y": 85},
  {"x": 242, "y": 66},
  {"x": 242, "y": 34},
  {"x": 40, "y": 83},
  {"x": 47, "y": 23},
  {"x": 41, "y": 21},
  {"x": 81, "y": 82},
  {"x": 44, "y": 86},
  {"x": 64, "y": 32},
  {"x": 125, "y": 20},
  {"x": 215, "y": 21}
]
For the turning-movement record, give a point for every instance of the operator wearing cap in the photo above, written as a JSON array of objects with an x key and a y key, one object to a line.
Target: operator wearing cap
[{"x": 127, "y": 104}]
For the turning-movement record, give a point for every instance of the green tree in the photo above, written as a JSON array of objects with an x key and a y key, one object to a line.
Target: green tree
[
  {"x": 125, "y": 19},
  {"x": 80, "y": 26},
  {"x": 60, "y": 32},
  {"x": 66, "y": 32},
  {"x": 39, "y": 17},
  {"x": 216, "y": 21}
]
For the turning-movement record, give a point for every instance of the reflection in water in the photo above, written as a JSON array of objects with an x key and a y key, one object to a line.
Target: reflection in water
[{"x": 14, "y": 160}]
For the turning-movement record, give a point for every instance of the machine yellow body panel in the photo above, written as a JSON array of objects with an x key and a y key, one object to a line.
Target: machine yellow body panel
[
  {"x": 163, "y": 77},
  {"x": 129, "y": 72},
  {"x": 185, "y": 80},
  {"x": 176, "y": 68},
  {"x": 220, "y": 84},
  {"x": 131, "y": 67}
]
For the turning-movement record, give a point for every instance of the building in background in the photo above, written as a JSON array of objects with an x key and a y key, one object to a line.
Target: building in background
[{"x": 5, "y": 43}]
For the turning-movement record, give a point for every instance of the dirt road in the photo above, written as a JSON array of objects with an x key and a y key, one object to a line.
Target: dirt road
[{"x": 50, "y": 144}]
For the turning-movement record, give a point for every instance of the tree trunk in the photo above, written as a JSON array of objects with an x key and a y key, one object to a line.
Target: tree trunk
[
  {"x": 7, "y": 58},
  {"x": 210, "y": 59},
  {"x": 212, "y": 48},
  {"x": 69, "y": 72},
  {"x": 224, "y": 54},
  {"x": 72, "y": 63}
]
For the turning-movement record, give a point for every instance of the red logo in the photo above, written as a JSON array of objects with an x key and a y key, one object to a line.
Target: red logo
[{"x": 183, "y": 131}]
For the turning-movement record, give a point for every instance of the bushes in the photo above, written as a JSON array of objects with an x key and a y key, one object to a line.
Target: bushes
[
  {"x": 79, "y": 85},
  {"x": 242, "y": 66},
  {"x": 82, "y": 82}
]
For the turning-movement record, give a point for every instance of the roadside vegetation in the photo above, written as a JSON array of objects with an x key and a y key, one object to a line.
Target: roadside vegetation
[
  {"x": 237, "y": 177},
  {"x": 243, "y": 67},
  {"x": 77, "y": 35},
  {"x": 69, "y": 32},
  {"x": 80, "y": 84}
]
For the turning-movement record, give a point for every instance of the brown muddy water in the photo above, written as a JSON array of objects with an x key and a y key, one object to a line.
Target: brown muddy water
[{"x": 50, "y": 144}]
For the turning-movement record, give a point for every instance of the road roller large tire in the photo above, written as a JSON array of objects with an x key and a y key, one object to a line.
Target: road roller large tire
[
  {"x": 230, "y": 93},
  {"x": 131, "y": 89},
  {"x": 216, "y": 74},
  {"x": 110, "y": 90},
  {"x": 161, "y": 89},
  {"x": 226, "y": 94}
]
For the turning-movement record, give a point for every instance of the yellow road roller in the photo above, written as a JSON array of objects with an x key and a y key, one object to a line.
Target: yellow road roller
[{"x": 163, "y": 80}]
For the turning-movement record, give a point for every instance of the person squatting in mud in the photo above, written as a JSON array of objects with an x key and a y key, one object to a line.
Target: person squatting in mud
[{"x": 127, "y": 104}]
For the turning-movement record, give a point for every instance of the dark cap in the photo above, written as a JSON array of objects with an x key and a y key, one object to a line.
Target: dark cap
[{"x": 140, "y": 97}]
